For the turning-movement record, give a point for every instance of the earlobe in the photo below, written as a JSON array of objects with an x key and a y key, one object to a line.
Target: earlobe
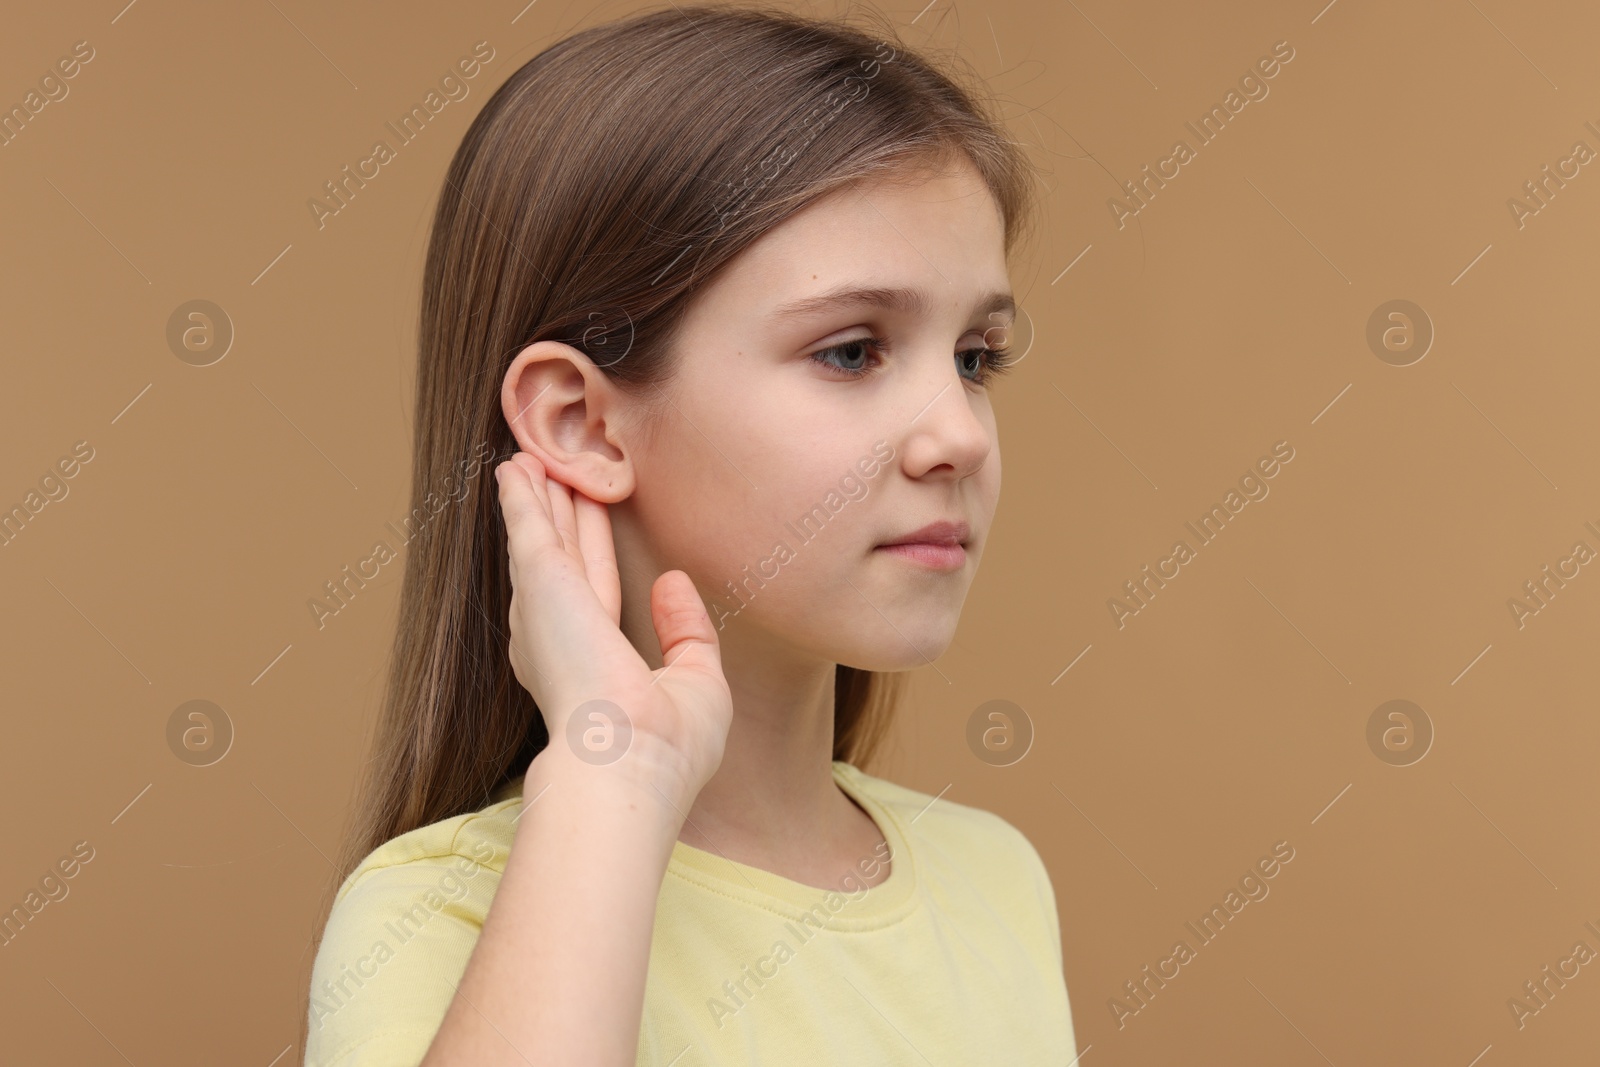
[{"x": 563, "y": 411}]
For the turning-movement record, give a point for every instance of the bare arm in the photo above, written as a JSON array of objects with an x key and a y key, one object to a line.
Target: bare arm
[{"x": 558, "y": 973}]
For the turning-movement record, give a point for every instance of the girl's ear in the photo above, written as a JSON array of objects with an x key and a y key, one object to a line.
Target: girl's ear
[{"x": 566, "y": 413}]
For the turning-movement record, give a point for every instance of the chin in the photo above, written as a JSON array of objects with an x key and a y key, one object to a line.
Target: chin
[{"x": 895, "y": 652}]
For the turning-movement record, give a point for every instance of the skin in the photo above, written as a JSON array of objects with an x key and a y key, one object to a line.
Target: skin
[{"x": 752, "y": 435}]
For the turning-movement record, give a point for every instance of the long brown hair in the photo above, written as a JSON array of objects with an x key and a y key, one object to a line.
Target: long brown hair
[{"x": 602, "y": 186}]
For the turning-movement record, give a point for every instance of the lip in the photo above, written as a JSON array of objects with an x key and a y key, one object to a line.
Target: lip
[
  {"x": 940, "y": 557},
  {"x": 935, "y": 533},
  {"x": 938, "y": 545}
]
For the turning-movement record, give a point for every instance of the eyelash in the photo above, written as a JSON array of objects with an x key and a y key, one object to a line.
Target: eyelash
[{"x": 993, "y": 361}]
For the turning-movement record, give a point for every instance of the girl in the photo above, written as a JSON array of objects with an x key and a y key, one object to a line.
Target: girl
[{"x": 729, "y": 286}]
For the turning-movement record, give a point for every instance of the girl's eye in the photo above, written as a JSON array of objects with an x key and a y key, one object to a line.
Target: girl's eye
[
  {"x": 990, "y": 362},
  {"x": 978, "y": 365},
  {"x": 850, "y": 352}
]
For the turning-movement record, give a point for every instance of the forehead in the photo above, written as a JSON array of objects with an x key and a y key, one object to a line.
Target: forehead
[{"x": 939, "y": 232}]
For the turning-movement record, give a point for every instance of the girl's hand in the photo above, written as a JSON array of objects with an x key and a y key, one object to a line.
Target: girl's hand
[{"x": 567, "y": 647}]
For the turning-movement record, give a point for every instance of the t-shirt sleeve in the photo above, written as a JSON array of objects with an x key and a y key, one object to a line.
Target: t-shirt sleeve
[
  {"x": 395, "y": 946},
  {"x": 1047, "y": 896},
  {"x": 1047, "y": 902}
]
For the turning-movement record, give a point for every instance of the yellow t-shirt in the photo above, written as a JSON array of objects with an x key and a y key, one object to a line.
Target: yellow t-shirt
[{"x": 954, "y": 958}]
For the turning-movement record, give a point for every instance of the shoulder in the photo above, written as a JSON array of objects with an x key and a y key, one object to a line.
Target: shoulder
[
  {"x": 937, "y": 819},
  {"x": 962, "y": 850},
  {"x": 482, "y": 837},
  {"x": 978, "y": 870},
  {"x": 939, "y": 826},
  {"x": 966, "y": 853},
  {"x": 401, "y": 930}
]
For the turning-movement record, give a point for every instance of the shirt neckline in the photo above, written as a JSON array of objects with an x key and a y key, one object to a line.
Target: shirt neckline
[{"x": 850, "y": 905}]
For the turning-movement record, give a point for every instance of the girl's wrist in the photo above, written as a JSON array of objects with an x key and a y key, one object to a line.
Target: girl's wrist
[{"x": 642, "y": 781}]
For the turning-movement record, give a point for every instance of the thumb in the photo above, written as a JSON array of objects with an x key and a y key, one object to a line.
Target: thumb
[{"x": 683, "y": 627}]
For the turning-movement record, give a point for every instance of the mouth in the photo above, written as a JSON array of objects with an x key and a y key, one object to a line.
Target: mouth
[
  {"x": 939, "y": 545},
  {"x": 940, "y": 557}
]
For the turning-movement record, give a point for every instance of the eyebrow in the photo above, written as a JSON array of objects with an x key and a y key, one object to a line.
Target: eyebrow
[{"x": 905, "y": 301}]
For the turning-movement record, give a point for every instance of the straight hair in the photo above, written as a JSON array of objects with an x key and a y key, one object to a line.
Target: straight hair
[{"x": 604, "y": 185}]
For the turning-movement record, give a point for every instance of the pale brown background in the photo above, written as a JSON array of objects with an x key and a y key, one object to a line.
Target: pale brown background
[{"x": 1227, "y": 716}]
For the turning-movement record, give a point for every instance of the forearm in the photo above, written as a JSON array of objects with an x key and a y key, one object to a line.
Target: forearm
[{"x": 558, "y": 974}]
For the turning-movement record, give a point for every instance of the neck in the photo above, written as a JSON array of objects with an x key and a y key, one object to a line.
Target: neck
[
  {"x": 772, "y": 802},
  {"x": 773, "y": 796}
]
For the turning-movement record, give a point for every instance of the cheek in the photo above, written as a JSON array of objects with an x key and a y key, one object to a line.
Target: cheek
[
  {"x": 813, "y": 500},
  {"x": 786, "y": 550},
  {"x": 988, "y": 479},
  {"x": 731, "y": 497},
  {"x": 750, "y": 482}
]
